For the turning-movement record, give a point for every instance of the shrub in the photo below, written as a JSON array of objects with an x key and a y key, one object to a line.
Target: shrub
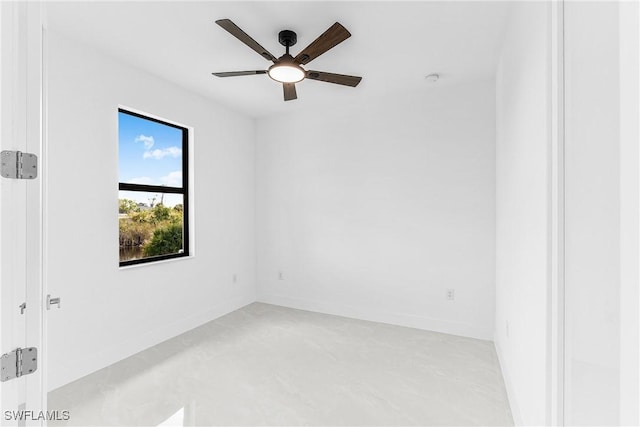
[{"x": 165, "y": 240}]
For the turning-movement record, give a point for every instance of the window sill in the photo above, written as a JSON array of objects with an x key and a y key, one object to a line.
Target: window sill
[{"x": 152, "y": 263}]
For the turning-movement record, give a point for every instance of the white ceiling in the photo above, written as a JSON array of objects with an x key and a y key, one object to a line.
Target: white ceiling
[{"x": 394, "y": 45}]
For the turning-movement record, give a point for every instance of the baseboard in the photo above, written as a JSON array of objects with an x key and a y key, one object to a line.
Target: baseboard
[
  {"x": 400, "y": 319},
  {"x": 80, "y": 367},
  {"x": 511, "y": 395}
]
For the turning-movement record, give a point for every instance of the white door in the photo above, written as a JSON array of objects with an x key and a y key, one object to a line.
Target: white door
[{"x": 21, "y": 399}]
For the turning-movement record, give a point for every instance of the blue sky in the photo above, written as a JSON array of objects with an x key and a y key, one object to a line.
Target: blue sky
[{"x": 149, "y": 153}]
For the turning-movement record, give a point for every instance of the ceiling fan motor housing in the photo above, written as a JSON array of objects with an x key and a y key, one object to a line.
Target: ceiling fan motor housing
[{"x": 287, "y": 38}]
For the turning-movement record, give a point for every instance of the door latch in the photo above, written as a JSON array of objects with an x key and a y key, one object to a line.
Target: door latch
[
  {"x": 22, "y": 307},
  {"x": 52, "y": 301}
]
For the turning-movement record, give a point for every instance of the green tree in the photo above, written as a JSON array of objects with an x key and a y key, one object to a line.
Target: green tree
[
  {"x": 141, "y": 216},
  {"x": 126, "y": 206},
  {"x": 160, "y": 213},
  {"x": 165, "y": 240}
]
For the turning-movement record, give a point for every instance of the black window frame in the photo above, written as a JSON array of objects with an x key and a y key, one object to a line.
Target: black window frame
[{"x": 184, "y": 190}]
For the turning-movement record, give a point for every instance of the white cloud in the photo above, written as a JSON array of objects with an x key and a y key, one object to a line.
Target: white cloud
[
  {"x": 148, "y": 141},
  {"x": 162, "y": 153},
  {"x": 174, "y": 179},
  {"x": 143, "y": 180}
]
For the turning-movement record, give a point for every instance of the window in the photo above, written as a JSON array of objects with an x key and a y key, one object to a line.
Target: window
[{"x": 153, "y": 205}]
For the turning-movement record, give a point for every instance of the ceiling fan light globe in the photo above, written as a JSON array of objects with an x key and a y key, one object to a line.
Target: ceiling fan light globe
[{"x": 286, "y": 73}]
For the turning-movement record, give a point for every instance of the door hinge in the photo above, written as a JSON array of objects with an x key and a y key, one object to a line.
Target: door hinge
[
  {"x": 19, "y": 362},
  {"x": 18, "y": 165}
]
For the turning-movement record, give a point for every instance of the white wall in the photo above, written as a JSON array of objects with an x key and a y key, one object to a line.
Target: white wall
[
  {"x": 110, "y": 313},
  {"x": 373, "y": 211},
  {"x": 522, "y": 221},
  {"x": 629, "y": 213}
]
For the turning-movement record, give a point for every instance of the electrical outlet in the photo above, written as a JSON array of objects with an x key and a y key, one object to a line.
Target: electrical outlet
[
  {"x": 451, "y": 295},
  {"x": 280, "y": 275}
]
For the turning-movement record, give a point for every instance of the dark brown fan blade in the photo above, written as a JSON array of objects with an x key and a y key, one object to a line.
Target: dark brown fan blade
[
  {"x": 239, "y": 73},
  {"x": 228, "y": 25},
  {"x": 335, "y": 35},
  {"x": 289, "y": 91},
  {"x": 340, "y": 79}
]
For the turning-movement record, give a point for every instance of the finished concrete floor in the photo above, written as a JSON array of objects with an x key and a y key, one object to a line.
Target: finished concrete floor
[{"x": 270, "y": 365}]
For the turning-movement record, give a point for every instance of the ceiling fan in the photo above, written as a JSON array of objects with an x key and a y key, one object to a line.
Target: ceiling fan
[{"x": 287, "y": 69}]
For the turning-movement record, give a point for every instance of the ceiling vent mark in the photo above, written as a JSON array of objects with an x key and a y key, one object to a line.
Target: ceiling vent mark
[{"x": 432, "y": 78}]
